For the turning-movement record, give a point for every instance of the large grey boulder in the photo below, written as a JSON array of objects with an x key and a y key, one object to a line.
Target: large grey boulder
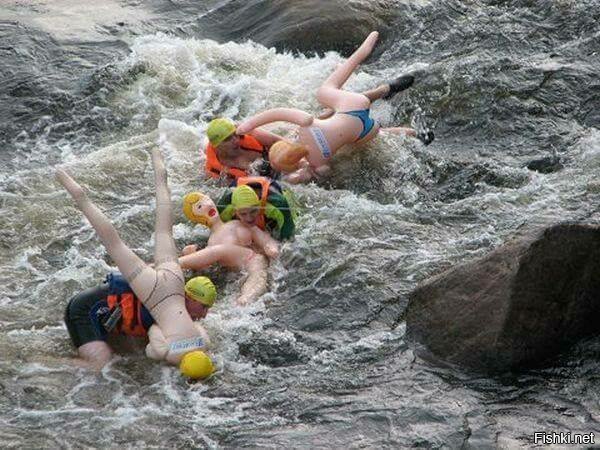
[{"x": 516, "y": 307}]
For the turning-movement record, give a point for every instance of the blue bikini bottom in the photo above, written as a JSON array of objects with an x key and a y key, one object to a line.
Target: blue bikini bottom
[{"x": 363, "y": 115}]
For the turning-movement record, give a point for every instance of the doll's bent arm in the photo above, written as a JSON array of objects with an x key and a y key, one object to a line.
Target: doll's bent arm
[
  {"x": 264, "y": 240},
  {"x": 256, "y": 282},
  {"x": 265, "y": 137}
]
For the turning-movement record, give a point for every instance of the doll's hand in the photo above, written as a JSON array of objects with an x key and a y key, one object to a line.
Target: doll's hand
[
  {"x": 242, "y": 128},
  {"x": 241, "y": 301},
  {"x": 272, "y": 250},
  {"x": 189, "y": 249}
]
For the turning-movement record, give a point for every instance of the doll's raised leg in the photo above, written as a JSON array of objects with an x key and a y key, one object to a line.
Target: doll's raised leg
[
  {"x": 165, "y": 252},
  {"x": 383, "y": 91},
  {"x": 140, "y": 276},
  {"x": 330, "y": 93}
]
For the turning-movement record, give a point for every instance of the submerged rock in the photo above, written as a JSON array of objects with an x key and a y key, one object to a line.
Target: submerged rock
[
  {"x": 548, "y": 164},
  {"x": 516, "y": 307}
]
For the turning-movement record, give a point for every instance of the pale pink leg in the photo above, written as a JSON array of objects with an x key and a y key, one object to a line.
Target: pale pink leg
[
  {"x": 400, "y": 130},
  {"x": 372, "y": 94},
  {"x": 343, "y": 72},
  {"x": 143, "y": 279},
  {"x": 165, "y": 252},
  {"x": 331, "y": 95},
  {"x": 378, "y": 92},
  {"x": 139, "y": 275}
]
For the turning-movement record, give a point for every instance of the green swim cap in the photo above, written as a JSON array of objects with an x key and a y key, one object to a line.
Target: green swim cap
[
  {"x": 244, "y": 197},
  {"x": 202, "y": 290},
  {"x": 219, "y": 129}
]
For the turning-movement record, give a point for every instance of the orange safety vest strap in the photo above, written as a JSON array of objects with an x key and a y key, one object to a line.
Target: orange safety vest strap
[
  {"x": 131, "y": 318},
  {"x": 249, "y": 142},
  {"x": 264, "y": 183},
  {"x": 214, "y": 167},
  {"x": 111, "y": 300}
]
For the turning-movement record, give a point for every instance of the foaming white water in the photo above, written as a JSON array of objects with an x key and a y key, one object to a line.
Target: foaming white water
[
  {"x": 590, "y": 148},
  {"x": 72, "y": 20},
  {"x": 186, "y": 79},
  {"x": 182, "y": 79},
  {"x": 366, "y": 344}
]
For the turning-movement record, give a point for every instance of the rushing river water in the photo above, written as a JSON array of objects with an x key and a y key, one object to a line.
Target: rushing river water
[{"x": 321, "y": 360}]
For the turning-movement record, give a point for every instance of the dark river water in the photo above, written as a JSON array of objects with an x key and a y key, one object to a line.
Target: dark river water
[{"x": 321, "y": 360}]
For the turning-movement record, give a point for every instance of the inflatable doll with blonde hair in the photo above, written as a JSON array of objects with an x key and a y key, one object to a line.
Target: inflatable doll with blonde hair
[
  {"x": 348, "y": 121},
  {"x": 175, "y": 337}
]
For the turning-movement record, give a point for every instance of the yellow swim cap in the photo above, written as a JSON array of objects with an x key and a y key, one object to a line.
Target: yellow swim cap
[
  {"x": 202, "y": 290},
  {"x": 188, "y": 208},
  {"x": 244, "y": 197},
  {"x": 196, "y": 365},
  {"x": 219, "y": 129}
]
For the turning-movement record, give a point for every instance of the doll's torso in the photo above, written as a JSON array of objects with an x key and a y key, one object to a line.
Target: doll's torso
[
  {"x": 233, "y": 233},
  {"x": 325, "y": 137}
]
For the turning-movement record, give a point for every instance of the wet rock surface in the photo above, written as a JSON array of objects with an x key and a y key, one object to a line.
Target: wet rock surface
[{"x": 518, "y": 306}]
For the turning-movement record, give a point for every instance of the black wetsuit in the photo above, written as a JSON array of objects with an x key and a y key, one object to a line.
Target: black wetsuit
[
  {"x": 87, "y": 312},
  {"x": 82, "y": 328}
]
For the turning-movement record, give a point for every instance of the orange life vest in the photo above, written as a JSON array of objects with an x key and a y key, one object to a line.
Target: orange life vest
[
  {"x": 214, "y": 167},
  {"x": 131, "y": 322},
  {"x": 264, "y": 184}
]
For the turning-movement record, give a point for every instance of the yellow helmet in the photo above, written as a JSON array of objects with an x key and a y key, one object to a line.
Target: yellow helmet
[
  {"x": 202, "y": 290},
  {"x": 244, "y": 197},
  {"x": 196, "y": 365},
  {"x": 218, "y": 130},
  {"x": 190, "y": 204}
]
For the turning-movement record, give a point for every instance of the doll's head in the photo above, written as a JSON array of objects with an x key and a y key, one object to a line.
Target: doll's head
[{"x": 199, "y": 208}]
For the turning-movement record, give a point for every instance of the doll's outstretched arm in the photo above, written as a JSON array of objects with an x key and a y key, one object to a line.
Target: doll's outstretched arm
[
  {"x": 189, "y": 249},
  {"x": 227, "y": 255},
  {"x": 295, "y": 116},
  {"x": 269, "y": 246}
]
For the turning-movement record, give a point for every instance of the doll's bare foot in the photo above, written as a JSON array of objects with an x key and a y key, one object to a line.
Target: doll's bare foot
[{"x": 370, "y": 41}]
